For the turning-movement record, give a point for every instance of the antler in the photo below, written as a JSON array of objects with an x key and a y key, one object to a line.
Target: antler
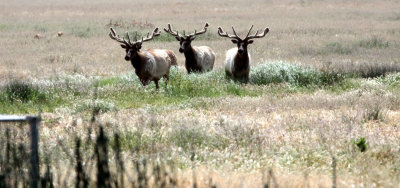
[
  {"x": 225, "y": 34},
  {"x": 266, "y": 30},
  {"x": 116, "y": 37},
  {"x": 175, "y": 34},
  {"x": 200, "y": 32},
  {"x": 156, "y": 32}
]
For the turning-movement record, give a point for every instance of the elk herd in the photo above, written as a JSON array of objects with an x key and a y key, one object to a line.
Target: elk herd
[{"x": 154, "y": 64}]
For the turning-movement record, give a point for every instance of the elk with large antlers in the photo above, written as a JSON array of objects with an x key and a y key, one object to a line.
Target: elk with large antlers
[
  {"x": 198, "y": 58},
  {"x": 237, "y": 63},
  {"x": 150, "y": 65}
]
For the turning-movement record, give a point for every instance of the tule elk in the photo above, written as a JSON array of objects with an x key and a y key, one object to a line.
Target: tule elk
[
  {"x": 150, "y": 65},
  {"x": 198, "y": 58},
  {"x": 237, "y": 65}
]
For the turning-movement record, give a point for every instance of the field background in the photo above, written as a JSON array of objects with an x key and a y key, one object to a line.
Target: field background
[{"x": 235, "y": 131}]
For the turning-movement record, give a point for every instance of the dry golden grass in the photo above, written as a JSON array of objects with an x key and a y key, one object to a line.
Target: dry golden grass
[
  {"x": 316, "y": 33},
  {"x": 299, "y": 131}
]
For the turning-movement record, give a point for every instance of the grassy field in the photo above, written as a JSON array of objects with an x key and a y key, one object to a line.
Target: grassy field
[{"x": 324, "y": 85}]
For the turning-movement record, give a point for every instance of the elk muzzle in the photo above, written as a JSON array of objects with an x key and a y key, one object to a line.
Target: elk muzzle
[
  {"x": 128, "y": 56},
  {"x": 240, "y": 51}
]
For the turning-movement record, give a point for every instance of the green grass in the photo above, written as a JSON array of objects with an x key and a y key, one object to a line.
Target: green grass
[
  {"x": 18, "y": 96},
  {"x": 393, "y": 80},
  {"x": 82, "y": 31},
  {"x": 23, "y": 92},
  {"x": 337, "y": 48},
  {"x": 347, "y": 48},
  {"x": 374, "y": 42},
  {"x": 75, "y": 92},
  {"x": 3, "y": 27}
]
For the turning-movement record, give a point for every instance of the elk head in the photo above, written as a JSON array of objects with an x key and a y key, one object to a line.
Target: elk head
[
  {"x": 132, "y": 48},
  {"x": 185, "y": 40},
  {"x": 242, "y": 43}
]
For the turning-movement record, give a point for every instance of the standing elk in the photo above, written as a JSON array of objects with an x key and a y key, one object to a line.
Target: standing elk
[
  {"x": 238, "y": 60},
  {"x": 150, "y": 65},
  {"x": 198, "y": 58}
]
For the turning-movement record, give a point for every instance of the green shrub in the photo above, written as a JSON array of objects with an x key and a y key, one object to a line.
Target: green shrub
[
  {"x": 392, "y": 80},
  {"x": 192, "y": 85},
  {"x": 282, "y": 72},
  {"x": 361, "y": 144},
  {"x": 23, "y": 92}
]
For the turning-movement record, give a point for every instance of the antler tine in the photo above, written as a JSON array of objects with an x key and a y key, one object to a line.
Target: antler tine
[
  {"x": 234, "y": 32},
  {"x": 221, "y": 32},
  {"x": 113, "y": 35},
  {"x": 200, "y": 32},
  {"x": 112, "y": 31},
  {"x": 225, "y": 34},
  {"x": 256, "y": 33},
  {"x": 129, "y": 39},
  {"x": 155, "y": 33},
  {"x": 175, "y": 34},
  {"x": 248, "y": 33},
  {"x": 266, "y": 30}
]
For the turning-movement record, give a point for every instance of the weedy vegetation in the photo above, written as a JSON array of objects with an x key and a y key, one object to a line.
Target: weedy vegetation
[{"x": 321, "y": 108}]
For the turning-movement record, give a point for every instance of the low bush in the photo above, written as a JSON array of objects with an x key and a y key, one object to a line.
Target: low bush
[
  {"x": 282, "y": 72},
  {"x": 373, "y": 42},
  {"x": 208, "y": 84},
  {"x": 23, "y": 92}
]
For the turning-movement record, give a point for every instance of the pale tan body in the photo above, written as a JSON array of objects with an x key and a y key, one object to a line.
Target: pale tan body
[
  {"x": 152, "y": 65},
  {"x": 205, "y": 57}
]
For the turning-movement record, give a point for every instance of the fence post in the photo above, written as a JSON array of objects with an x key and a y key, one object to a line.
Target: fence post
[{"x": 34, "y": 121}]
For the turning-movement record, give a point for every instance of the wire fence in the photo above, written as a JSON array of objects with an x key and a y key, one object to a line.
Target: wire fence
[{"x": 19, "y": 136}]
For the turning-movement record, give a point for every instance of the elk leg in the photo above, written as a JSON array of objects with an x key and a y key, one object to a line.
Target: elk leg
[
  {"x": 156, "y": 82},
  {"x": 166, "y": 80}
]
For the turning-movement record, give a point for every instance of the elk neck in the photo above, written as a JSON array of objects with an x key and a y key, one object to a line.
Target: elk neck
[
  {"x": 137, "y": 62},
  {"x": 189, "y": 54},
  {"x": 242, "y": 61},
  {"x": 191, "y": 62}
]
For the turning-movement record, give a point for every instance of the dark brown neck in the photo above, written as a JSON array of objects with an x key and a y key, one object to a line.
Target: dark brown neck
[
  {"x": 242, "y": 61},
  {"x": 191, "y": 63},
  {"x": 189, "y": 55},
  {"x": 137, "y": 61}
]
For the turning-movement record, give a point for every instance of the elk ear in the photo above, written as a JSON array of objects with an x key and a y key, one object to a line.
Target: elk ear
[
  {"x": 250, "y": 41},
  {"x": 123, "y": 46},
  {"x": 178, "y": 39},
  {"x": 192, "y": 38},
  {"x": 234, "y": 41}
]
